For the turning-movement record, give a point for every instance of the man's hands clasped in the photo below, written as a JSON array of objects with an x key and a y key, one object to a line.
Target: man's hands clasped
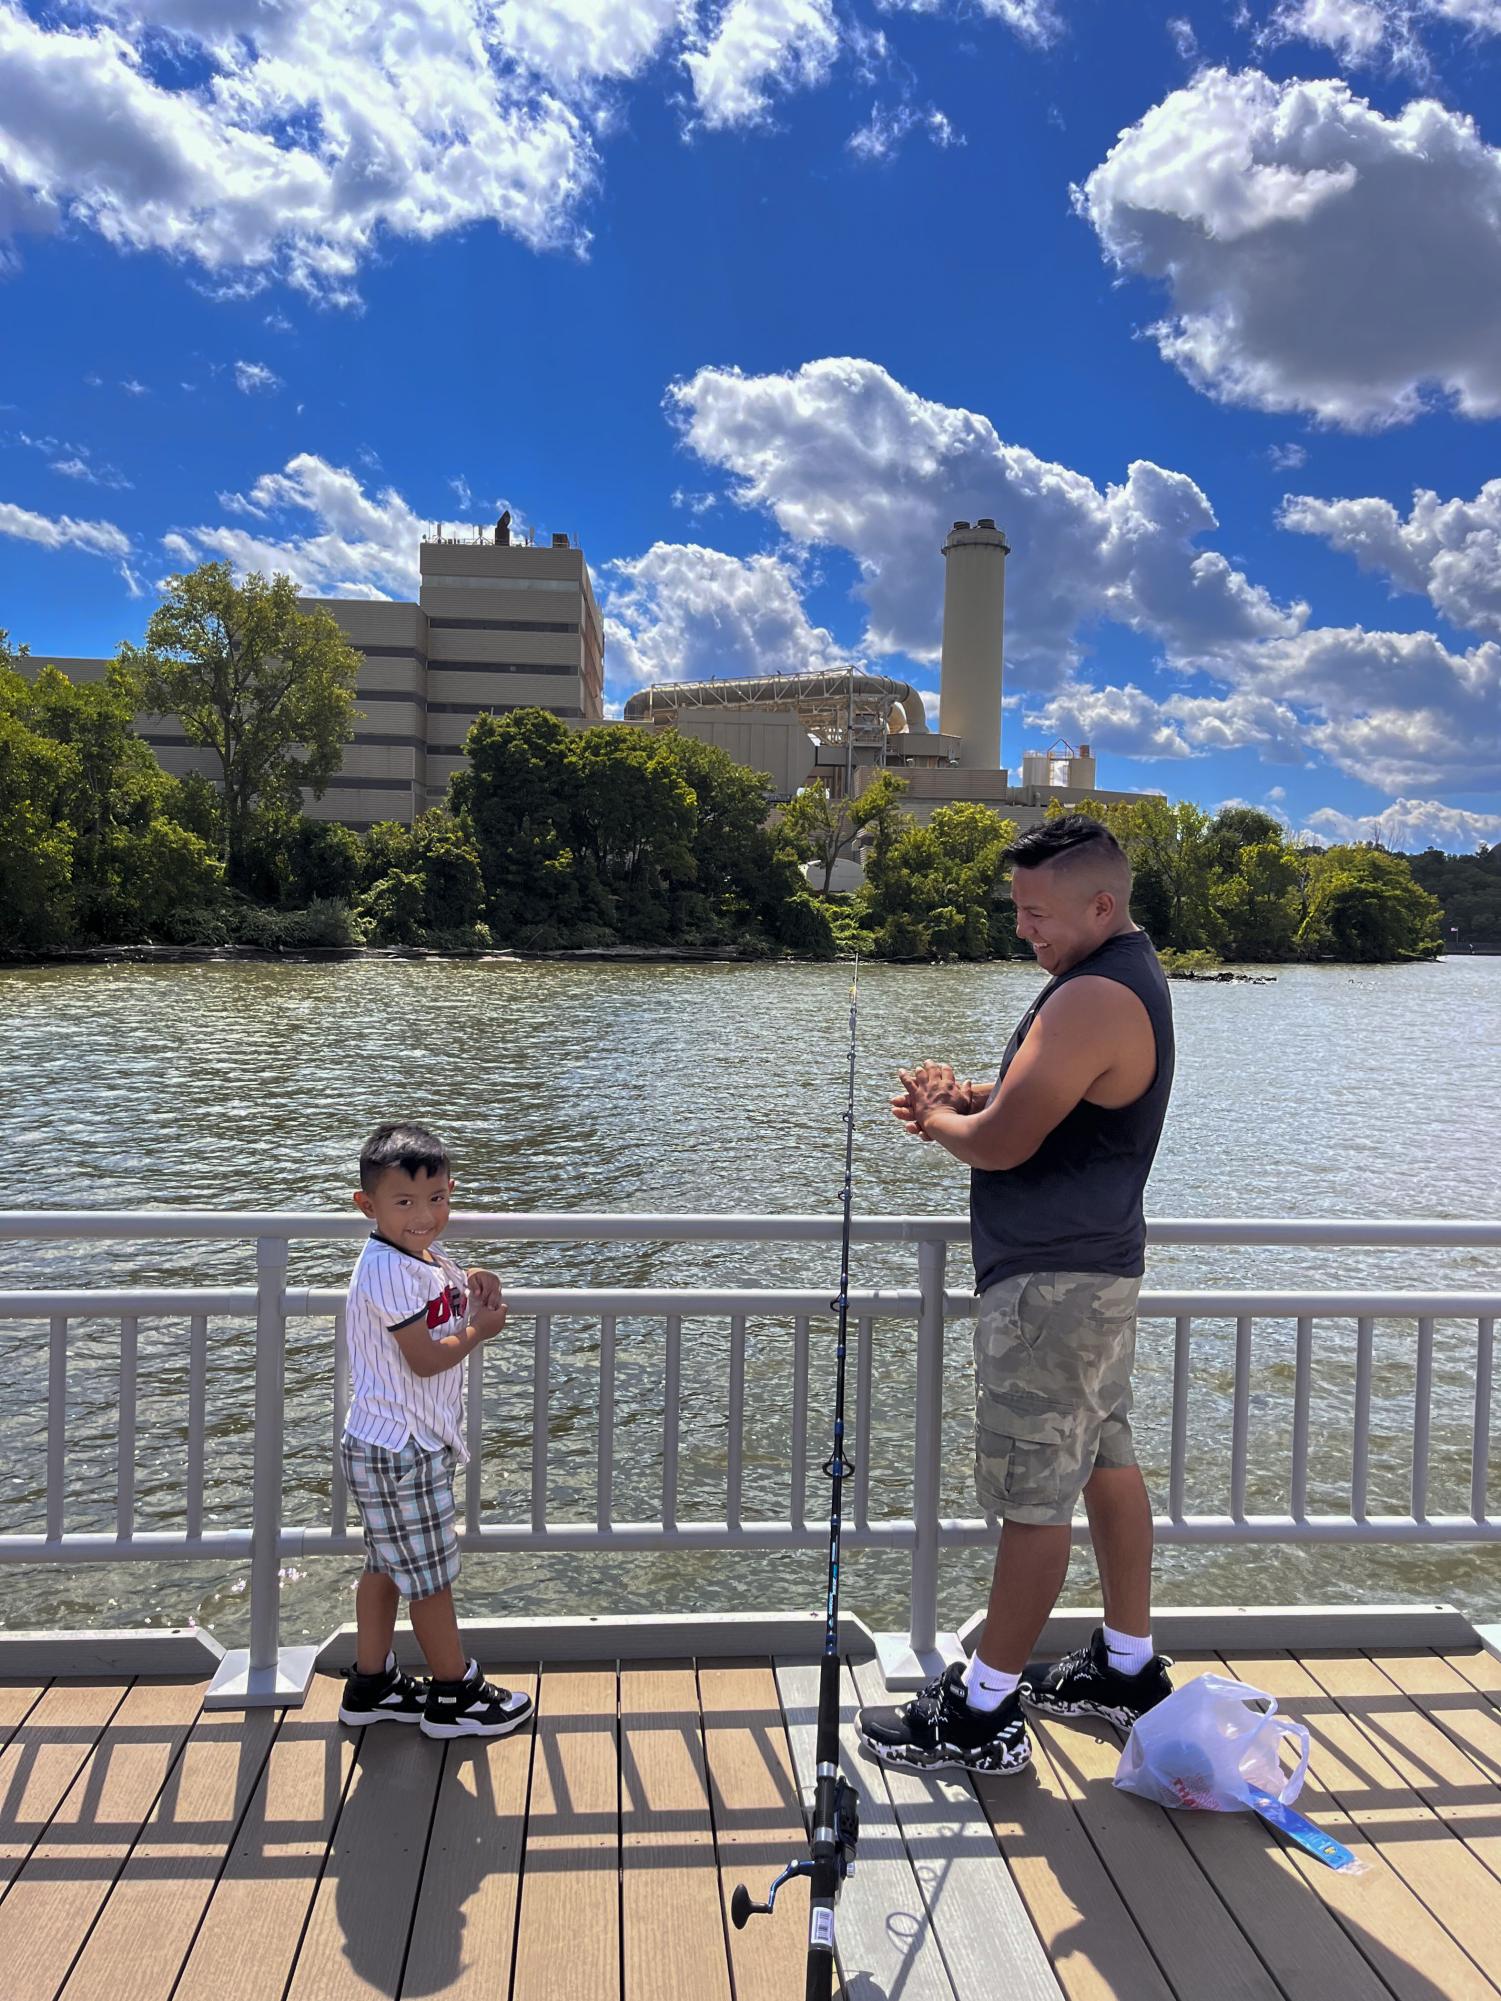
[{"x": 926, "y": 1088}]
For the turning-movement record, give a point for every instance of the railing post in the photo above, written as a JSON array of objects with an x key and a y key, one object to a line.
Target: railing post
[
  {"x": 265, "y": 1675},
  {"x": 911, "y": 1658}
]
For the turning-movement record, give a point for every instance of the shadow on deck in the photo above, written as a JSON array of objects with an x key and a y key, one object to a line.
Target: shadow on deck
[{"x": 153, "y": 1851}]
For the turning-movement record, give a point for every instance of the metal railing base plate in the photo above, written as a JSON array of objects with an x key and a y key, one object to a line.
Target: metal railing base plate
[
  {"x": 903, "y": 1666},
  {"x": 283, "y": 1685}
]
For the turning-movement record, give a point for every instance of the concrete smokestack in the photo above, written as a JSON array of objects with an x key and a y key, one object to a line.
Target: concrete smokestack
[{"x": 974, "y": 611}]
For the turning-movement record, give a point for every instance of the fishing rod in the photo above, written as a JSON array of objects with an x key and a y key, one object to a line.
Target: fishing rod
[{"x": 836, "y": 1805}]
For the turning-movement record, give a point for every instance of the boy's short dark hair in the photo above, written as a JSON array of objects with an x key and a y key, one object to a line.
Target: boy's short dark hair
[
  {"x": 410, "y": 1147},
  {"x": 1070, "y": 834}
]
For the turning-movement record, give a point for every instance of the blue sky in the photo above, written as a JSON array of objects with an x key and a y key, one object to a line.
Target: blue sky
[{"x": 753, "y": 298}]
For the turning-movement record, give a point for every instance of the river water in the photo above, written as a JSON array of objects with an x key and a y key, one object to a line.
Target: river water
[{"x": 1330, "y": 1092}]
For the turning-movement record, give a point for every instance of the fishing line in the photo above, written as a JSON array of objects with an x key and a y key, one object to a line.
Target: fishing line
[{"x": 836, "y": 1806}]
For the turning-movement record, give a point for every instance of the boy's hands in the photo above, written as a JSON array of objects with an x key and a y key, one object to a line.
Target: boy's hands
[{"x": 488, "y": 1311}]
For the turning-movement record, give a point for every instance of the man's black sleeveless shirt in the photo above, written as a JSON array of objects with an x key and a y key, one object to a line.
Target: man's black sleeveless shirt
[{"x": 1076, "y": 1205}]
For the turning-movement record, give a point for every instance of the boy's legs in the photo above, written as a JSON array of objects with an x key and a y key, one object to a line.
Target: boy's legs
[
  {"x": 436, "y": 1625},
  {"x": 376, "y": 1602}
]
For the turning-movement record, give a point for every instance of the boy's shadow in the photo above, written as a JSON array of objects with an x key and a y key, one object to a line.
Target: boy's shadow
[{"x": 428, "y": 1857}]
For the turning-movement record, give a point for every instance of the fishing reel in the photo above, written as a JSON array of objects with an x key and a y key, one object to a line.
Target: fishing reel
[{"x": 840, "y": 1850}]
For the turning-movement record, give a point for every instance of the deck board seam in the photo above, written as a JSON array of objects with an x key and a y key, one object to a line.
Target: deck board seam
[
  {"x": 1110, "y": 1876},
  {"x": 42, "y": 1831},
  {"x": 328, "y": 1849},
  {"x": 1481, "y": 1775},
  {"x": 22, "y": 1720},
  {"x": 229, "y": 1848},
  {"x": 427, "y": 1846},
  {"x": 703, "y": 1745},
  {"x": 526, "y": 1828},
  {"x": 134, "y": 1843}
]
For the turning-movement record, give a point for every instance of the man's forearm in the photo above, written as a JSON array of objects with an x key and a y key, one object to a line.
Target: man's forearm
[{"x": 955, "y": 1133}]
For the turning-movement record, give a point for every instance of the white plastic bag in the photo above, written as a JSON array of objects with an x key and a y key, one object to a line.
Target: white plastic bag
[{"x": 1207, "y": 1745}]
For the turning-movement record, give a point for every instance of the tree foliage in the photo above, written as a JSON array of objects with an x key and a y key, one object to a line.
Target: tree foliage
[{"x": 263, "y": 685}]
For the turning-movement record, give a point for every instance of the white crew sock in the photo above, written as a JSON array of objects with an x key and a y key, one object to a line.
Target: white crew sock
[
  {"x": 1128, "y": 1653},
  {"x": 985, "y": 1687}
]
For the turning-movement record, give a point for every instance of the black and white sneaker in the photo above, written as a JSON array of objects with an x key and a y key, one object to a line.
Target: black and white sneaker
[
  {"x": 937, "y": 1729},
  {"x": 473, "y": 1707},
  {"x": 1084, "y": 1683},
  {"x": 387, "y": 1697}
]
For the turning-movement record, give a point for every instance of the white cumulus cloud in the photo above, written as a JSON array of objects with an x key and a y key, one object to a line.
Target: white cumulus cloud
[
  {"x": 1409, "y": 825},
  {"x": 96, "y": 538},
  {"x": 1318, "y": 254},
  {"x": 685, "y": 612},
  {"x": 1450, "y": 550},
  {"x": 756, "y": 48}
]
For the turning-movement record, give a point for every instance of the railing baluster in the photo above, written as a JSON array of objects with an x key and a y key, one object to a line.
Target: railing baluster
[
  {"x": 125, "y": 1476},
  {"x": 1178, "y": 1450},
  {"x": 1480, "y": 1454},
  {"x": 1240, "y": 1417},
  {"x": 1422, "y": 1417},
  {"x": 799, "y": 1421},
  {"x": 605, "y": 1504},
  {"x": 198, "y": 1418},
  {"x": 1365, "y": 1329},
  {"x": 338, "y": 1496},
  {"x": 57, "y": 1422},
  {"x": 862, "y": 1423},
  {"x": 1302, "y": 1384},
  {"x": 271, "y": 1256},
  {"x": 735, "y": 1458},
  {"x": 475, "y": 1415},
  {"x": 927, "y": 1469},
  {"x": 672, "y": 1388},
  {"x": 541, "y": 1398}
]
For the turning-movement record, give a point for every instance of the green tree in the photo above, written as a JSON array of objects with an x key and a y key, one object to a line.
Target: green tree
[
  {"x": 820, "y": 829},
  {"x": 113, "y": 862},
  {"x": 938, "y": 891},
  {"x": 515, "y": 797},
  {"x": 1257, "y": 903},
  {"x": 1364, "y": 905},
  {"x": 265, "y": 686},
  {"x": 1469, "y": 889},
  {"x": 421, "y": 882}
]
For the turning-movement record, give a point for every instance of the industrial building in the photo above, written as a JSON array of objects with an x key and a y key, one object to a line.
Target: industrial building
[
  {"x": 498, "y": 625},
  {"x": 839, "y": 728},
  {"x": 501, "y": 624}
]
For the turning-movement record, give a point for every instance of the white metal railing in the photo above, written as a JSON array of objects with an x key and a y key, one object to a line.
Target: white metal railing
[{"x": 1321, "y": 1321}]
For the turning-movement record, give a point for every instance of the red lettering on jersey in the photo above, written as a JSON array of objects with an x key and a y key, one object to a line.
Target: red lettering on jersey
[{"x": 450, "y": 1304}]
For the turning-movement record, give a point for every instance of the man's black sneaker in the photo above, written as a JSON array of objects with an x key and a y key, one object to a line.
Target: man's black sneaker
[
  {"x": 473, "y": 1707},
  {"x": 387, "y": 1697},
  {"x": 1084, "y": 1683},
  {"x": 937, "y": 1728}
]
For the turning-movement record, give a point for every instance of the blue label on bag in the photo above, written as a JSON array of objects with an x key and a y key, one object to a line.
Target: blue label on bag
[{"x": 1299, "y": 1828}]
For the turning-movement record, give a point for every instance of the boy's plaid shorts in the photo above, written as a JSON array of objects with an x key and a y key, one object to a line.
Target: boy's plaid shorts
[{"x": 405, "y": 1499}]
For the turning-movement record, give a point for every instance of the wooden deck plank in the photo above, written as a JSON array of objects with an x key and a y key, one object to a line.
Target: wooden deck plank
[
  {"x": 1193, "y": 1937},
  {"x": 1385, "y": 1914},
  {"x": 1091, "y": 1938},
  {"x": 883, "y": 1931},
  {"x": 17, "y": 1700},
  {"x": 146, "y": 1930},
  {"x": 248, "y": 1940},
  {"x": 1278, "y": 1906},
  {"x": 568, "y": 1937},
  {"x": 1402, "y": 1813},
  {"x": 43, "y": 1758},
  {"x": 1481, "y": 1669},
  {"x": 978, "y": 1915},
  {"x": 361, "y": 1919},
  {"x": 673, "y": 1925},
  {"x": 59, "y": 1891},
  {"x": 758, "y": 1824},
  {"x": 464, "y": 1932},
  {"x": 1455, "y": 1713}
]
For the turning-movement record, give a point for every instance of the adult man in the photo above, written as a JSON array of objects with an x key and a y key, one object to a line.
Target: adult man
[{"x": 1060, "y": 1147}]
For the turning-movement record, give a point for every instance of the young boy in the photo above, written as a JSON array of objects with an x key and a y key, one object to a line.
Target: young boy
[{"x": 412, "y": 1317}]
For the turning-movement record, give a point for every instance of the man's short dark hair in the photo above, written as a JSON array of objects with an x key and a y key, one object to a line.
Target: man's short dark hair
[
  {"x": 410, "y": 1147},
  {"x": 1071, "y": 835}
]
